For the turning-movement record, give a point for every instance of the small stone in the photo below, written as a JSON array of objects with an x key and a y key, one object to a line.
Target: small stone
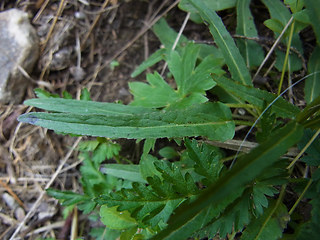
[
  {"x": 19, "y": 214},
  {"x": 19, "y": 48},
  {"x": 78, "y": 73},
  {"x": 9, "y": 200}
]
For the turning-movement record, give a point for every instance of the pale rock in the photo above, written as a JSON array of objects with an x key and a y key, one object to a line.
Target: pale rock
[{"x": 19, "y": 51}]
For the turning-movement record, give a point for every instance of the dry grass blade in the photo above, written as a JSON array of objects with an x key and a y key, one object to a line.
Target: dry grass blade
[
  {"x": 37, "y": 203},
  {"x": 60, "y": 9},
  {"x": 104, "y": 5},
  {"x": 272, "y": 48}
]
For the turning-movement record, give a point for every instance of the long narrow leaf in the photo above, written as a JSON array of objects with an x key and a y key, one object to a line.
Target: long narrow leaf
[
  {"x": 313, "y": 10},
  {"x": 129, "y": 172},
  {"x": 312, "y": 85},
  {"x": 85, "y": 107},
  {"x": 245, "y": 170},
  {"x": 225, "y": 42},
  {"x": 257, "y": 97},
  {"x": 250, "y": 50},
  {"x": 212, "y": 120}
]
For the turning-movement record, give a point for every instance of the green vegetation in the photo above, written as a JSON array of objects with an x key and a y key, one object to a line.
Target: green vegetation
[{"x": 197, "y": 192}]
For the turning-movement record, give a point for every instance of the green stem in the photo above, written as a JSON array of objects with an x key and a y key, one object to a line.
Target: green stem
[
  {"x": 300, "y": 197},
  {"x": 286, "y": 58},
  {"x": 240, "y": 105},
  {"x": 304, "y": 149},
  {"x": 241, "y": 122}
]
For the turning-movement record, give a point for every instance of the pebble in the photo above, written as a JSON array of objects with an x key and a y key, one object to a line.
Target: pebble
[{"x": 19, "y": 48}]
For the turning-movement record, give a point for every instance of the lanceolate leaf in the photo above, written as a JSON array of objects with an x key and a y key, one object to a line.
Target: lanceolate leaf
[
  {"x": 167, "y": 35},
  {"x": 85, "y": 107},
  {"x": 313, "y": 10},
  {"x": 129, "y": 172},
  {"x": 216, "y": 5},
  {"x": 153, "y": 59},
  {"x": 212, "y": 120},
  {"x": 257, "y": 97},
  {"x": 245, "y": 170},
  {"x": 251, "y": 51},
  {"x": 225, "y": 42},
  {"x": 312, "y": 85}
]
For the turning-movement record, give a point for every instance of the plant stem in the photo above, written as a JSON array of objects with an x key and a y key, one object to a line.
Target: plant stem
[
  {"x": 241, "y": 122},
  {"x": 300, "y": 197},
  {"x": 304, "y": 149},
  {"x": 286, "y": 58}
]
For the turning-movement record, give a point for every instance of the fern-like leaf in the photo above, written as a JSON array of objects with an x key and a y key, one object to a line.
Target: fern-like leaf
[
  {"x": 206, "y": 159},
  {"x": 153, "y": 204}
]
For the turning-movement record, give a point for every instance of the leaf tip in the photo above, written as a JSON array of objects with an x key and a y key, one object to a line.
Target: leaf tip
[{"x": 28, "y": 118}]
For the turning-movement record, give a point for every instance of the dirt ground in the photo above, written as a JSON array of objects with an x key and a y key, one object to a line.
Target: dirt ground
[{"x": 86, "y": 37}]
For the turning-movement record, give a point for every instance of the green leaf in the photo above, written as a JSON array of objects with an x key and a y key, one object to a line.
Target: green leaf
[
  {"x": 203, "y": 219},
  {"x": 245, "y": 170},
  {"x": 274, "y": 24},
  {"x": 269, "y": 226},
  {"x": 312, "y": 84},
  {"x": 251, "y": 51},
  {"x": 146, "y": 206},
  {"x": 168, "y": 152},
  {"x": 295, "y": 5},
  {"x": 167, "y": 35},
  {"x": 67, "y": 197},
  {"x": 257, "y": 97},
  {"x": 156, "y": 94},
  {"x": 189, "y": 77},
  {"x": 192, "y": 81},
  {"x": 233, "y": 218},
  {"x": 128, "y": 172},
  {"x": 66, "y": 95},
  {"x": 85, "y": 95},
  {"x": 312, "y": 154},
  {"x": 148, "y": 145},
  {"x": 103, "y": 233},
  {"x": 116, "y": 220},
  {"x": 310, "y": 229},
  {"x": 93, "y": 181},
  {"x": 294, "y": 61},
  {"x": 40, "y": 93},
  {"x": 279, "y": 12},
  {"x": 88, "y": 146},
  {"x": 147, "y": 168},
  {"x": 212, "y": 120},
  {"x": 216, "y": 5},
  {"x": 225, "y": 42},
  {"x": 313, "y": 10},
  {"x": 152, "y": 60},
  {"x": 243, "y": 208},
  {"x": 85, "y": 107},
  {"x": 181, "y": 183},
  {"x": 206, "y": 159}
]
